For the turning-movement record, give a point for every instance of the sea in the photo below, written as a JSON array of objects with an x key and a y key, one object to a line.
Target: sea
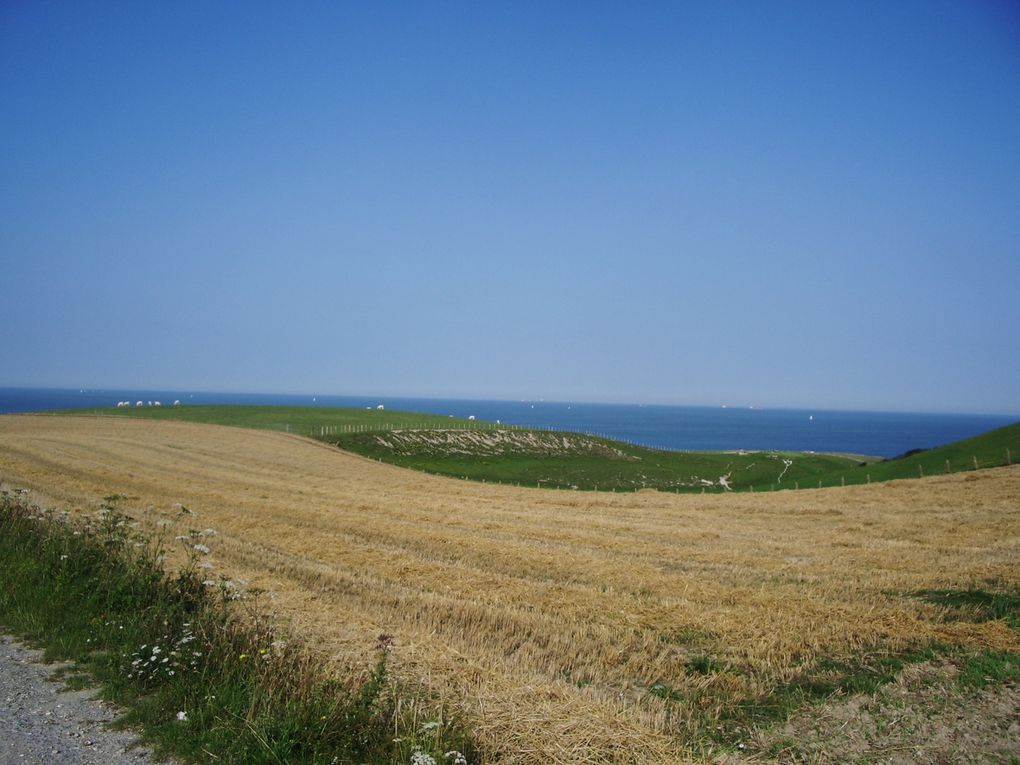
[{"x": 880, "y": 434}]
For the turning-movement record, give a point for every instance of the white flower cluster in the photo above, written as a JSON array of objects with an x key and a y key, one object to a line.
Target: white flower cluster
[
  {"x": 151, "y": 664},
  {"x": 418, "y": 757}
]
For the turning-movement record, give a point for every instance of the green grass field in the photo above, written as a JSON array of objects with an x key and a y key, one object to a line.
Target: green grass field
[
  {"x": 303, "y": 420},
  {"x": 992, "y": 449},
  {"x": 485, "y": 451},
  {"x": 575, "y": 461}
]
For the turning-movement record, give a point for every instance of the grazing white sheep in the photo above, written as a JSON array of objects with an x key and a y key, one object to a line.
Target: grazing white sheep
[
  {"x": 380, "y": 407},
  {"x": 156, "y": 403},
  {"x": 177, "y": 402},
  {"x": 471, "y": 416},
  {"x": 139, "y": 403}
]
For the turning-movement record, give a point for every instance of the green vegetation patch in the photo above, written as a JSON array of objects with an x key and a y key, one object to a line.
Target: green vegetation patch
[
  {"x": 578, "y": 461},
  {"x": 989, "y": 667},
  {"x": 495, "y": 453},
  {"x": 486, "y": 451},
  {"x": 204, "y": 684},
  {"x": 992, "y": 449},
  {"x": 976, "y": 605}
]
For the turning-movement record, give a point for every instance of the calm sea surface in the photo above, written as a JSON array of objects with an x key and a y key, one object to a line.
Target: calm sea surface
[{"x": 884, "y": 434}]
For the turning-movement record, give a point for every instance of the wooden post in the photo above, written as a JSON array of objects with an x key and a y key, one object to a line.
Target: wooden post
[
  {"x": 948, "y": 469},
  {"x": 975, "y": 461},
  {"x": 796, "y": 484},
  {"x": 842, "y": 480},
  {"x": 920, "y": 471},
  {"x": 869, "y": 477},
  {"x": 819, "y": 483}
]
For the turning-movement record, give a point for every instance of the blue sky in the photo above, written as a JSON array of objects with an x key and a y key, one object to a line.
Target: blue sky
[{"x": 763, "y": 203}]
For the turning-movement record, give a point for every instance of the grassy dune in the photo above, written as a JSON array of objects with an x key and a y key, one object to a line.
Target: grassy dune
[{"x": 569, "y": 627}]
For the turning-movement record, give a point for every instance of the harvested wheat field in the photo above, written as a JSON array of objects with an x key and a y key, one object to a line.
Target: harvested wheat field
[{"x": 561, "y": 627}]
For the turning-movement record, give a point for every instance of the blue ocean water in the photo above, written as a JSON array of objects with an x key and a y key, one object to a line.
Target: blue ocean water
[{"x": 884, "y": 434}]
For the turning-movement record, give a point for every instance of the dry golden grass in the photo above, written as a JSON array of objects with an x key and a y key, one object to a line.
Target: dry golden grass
[{"x": 542, "y": 617}]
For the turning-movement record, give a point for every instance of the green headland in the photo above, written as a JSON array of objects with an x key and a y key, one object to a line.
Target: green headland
[{"x": 499, "y": 453}]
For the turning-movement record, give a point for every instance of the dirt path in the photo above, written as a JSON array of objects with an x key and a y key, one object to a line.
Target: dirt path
[{"x": 41, "y": 723}]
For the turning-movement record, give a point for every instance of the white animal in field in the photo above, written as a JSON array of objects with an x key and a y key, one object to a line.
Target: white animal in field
[
  {"x": 177, "y": 402},
  {"x": 139, "y": 403},
  {"x": 471, "y": 416},
  {"x": 156, "y": 403},
  {"x": 380, "y": 407}
]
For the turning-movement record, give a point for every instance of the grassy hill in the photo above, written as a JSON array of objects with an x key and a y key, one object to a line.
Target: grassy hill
[
  {"x": 485, "y": 451},
  {"x": 578, "y": 461},
  {"x": 992, "y": 449},
  {"x": 303, "y": 420}
]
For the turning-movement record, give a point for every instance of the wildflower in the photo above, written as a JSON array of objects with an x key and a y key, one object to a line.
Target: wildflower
[
  {"x": 421, "y": 758},
  {"x": 201, "y": 548},
  {"x": 182, "y": 716},
  {"x": 430, "y": 725},
  {"x": 243, "y": 656},
  {"x": 456, "y": 758}
]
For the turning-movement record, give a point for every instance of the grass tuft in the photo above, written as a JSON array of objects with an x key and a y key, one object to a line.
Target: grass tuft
[
  {"x": 976, "y": 605},
  {"x": 989, "y": 667}
]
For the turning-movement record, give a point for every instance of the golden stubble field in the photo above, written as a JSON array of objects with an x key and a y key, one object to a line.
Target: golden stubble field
[{"x": 540, "y": 617}]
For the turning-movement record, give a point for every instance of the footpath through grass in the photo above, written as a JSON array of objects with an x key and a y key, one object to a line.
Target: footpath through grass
[{"x": 204, "y": 682}]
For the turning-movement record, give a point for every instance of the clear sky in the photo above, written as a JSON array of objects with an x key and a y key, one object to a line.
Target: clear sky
[{"x": 778, "y": 204}]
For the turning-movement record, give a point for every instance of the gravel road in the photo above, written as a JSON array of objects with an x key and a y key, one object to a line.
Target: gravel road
[{"x": 41, "y": 723}]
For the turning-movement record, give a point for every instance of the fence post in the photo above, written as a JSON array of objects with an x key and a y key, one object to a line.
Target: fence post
[
  {"x": 920, "y": 471},
  {"x": 975, "y": 461}
]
